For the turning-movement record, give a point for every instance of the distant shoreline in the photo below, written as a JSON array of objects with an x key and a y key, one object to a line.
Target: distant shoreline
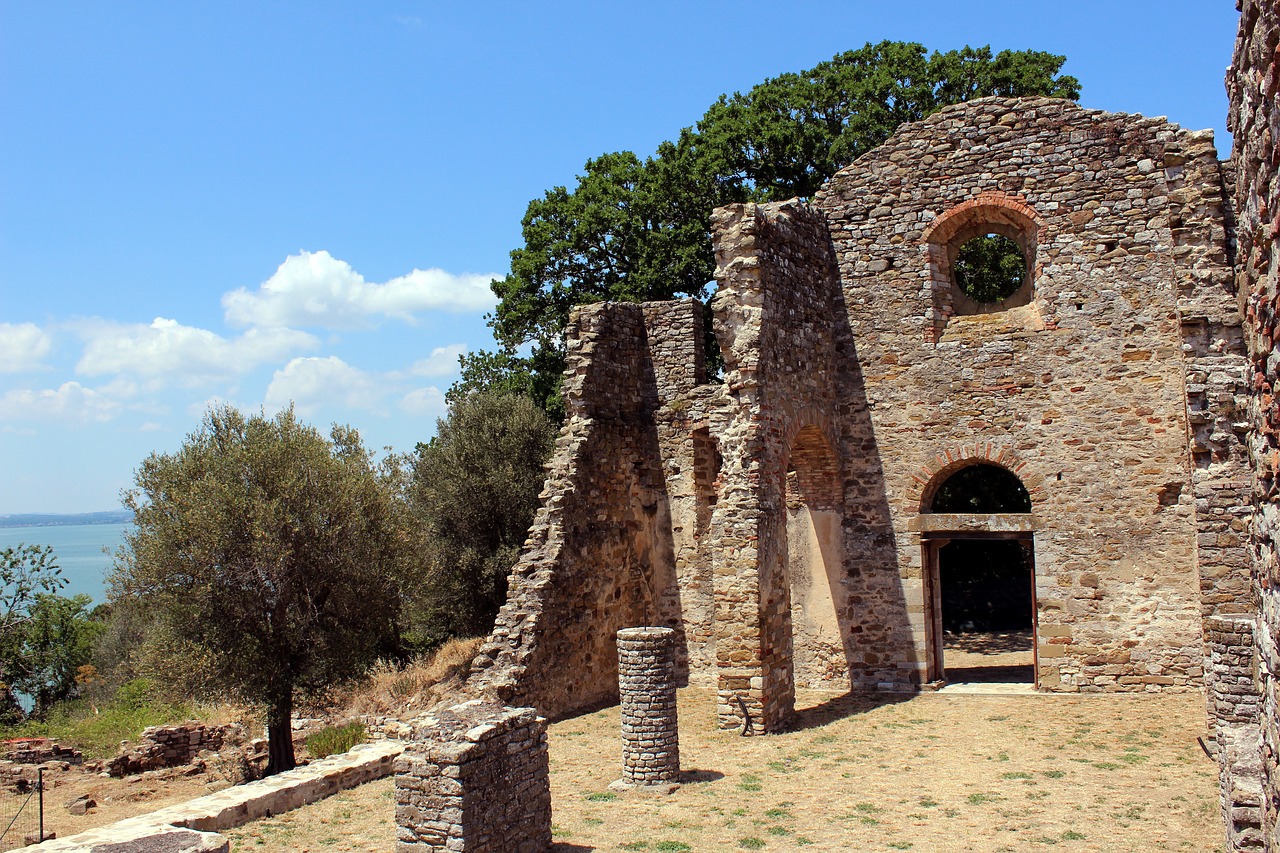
[{"x": 38, "y": 519}]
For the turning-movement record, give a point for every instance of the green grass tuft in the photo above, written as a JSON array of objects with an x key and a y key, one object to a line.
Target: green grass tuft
[{"x": 333, "y": 740}]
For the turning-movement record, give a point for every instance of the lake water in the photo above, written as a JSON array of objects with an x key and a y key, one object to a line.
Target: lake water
[{"x": 78, "y": 549}]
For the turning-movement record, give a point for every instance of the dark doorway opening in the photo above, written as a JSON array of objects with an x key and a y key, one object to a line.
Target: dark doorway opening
[
  {"x": 988, "y": 610},
  {"x": 983, "y": 580}
]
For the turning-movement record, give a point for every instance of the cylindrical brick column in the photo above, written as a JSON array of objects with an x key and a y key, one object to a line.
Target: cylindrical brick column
[{"x": 647, "y": 688}]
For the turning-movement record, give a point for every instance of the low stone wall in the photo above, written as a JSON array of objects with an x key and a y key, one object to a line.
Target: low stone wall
[
  {"x": 172, "y": 746},
  {"x": 40, "y": 750},
  {"x": 476, "y": 779},
  {"x": 237, "y": 805}
]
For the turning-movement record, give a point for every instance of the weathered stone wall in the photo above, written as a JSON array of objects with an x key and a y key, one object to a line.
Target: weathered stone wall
[
  {"x": 615, "y": 541},
  {"x": 1075, "y": 384},
  {"x": 1253, "y": 86},
  {"x": 475, "y": 780},
  {"x": 779, "y": 321},
  {"x": 171, "y": 746},
  {"x": 775, "y": 520},
  {"x": 1230, "y": 676}
]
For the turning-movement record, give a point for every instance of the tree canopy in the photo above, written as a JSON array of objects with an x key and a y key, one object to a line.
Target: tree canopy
[
  {"x": 472, "y": 492},
  {"x": 44, "y": 637},
  {"x": 269, "y": 552},
  {"x": 637, "y": 229}
]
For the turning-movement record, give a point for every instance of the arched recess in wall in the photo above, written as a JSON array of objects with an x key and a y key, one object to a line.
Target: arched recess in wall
[
  {"x": 978, "y": 559},
  {"x": 989, "y": 214},
  {"x": 814, "y": 560}
]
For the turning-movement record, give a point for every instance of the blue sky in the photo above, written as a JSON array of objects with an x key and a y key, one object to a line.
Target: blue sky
[{"x": 258, "y": 202}]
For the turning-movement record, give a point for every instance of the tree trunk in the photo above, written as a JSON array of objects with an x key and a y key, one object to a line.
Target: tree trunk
[{"x": 280, "y": 735}]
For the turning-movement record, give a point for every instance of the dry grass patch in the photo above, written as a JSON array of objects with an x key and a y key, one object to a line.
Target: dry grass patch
[
  {"x": 400, "y": 691},
  {"x": 926, "y": 773}
]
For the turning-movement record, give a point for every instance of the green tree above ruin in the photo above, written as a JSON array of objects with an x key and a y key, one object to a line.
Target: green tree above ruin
[{"x": 636, "y": 229}]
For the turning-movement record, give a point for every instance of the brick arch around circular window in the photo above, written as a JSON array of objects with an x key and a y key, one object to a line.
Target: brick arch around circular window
[
  {"x": 990, "y": 212},
  {"x": 926, "y": 481}
]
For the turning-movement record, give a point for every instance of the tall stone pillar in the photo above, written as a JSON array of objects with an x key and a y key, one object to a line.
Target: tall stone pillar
[{"x": 647, "y": 688}]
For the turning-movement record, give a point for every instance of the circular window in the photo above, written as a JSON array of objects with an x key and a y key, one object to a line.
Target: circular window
[{"x": 990, "y": 268}]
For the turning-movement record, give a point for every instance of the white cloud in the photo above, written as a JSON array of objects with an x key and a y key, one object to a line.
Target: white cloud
[
  {"x": 70, "y": 401},
  {"x": 424, "y": 402},
  {"x": 443, "y": 361},
  {"x": 167, "y": 351},
  {"x": 22, "y": 346},
  {"x": 311, "y": 383},
  {"x": 317, "y": 289}
]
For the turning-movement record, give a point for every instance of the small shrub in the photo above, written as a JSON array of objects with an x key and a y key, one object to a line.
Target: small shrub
[
  {"x": 672, "y": 846},
  {"x": 601, "y": 797},
  {"x": 332, "y": 740},
  {"x": 751, "y": 843}
]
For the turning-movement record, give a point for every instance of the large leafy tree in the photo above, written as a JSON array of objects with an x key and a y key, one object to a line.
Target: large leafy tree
[
  {"x": 270, "y": 552},
  {"x": 637, "y": 229},
  {"x": 472, "y": 493}
]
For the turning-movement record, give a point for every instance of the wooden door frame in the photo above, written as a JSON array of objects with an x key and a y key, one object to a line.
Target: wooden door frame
[{"x": 931, "y": 543}]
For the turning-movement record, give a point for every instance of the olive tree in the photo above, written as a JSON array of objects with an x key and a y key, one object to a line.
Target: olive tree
[{"x": 270, "y": 552}]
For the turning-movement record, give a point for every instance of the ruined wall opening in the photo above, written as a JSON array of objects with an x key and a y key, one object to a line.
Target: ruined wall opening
[
  {"x": 989, "y": 268},
  {"x": 982, "y": 257},
  {"x": 814, "y": 559},
  {"x": 981, "y": 576}
]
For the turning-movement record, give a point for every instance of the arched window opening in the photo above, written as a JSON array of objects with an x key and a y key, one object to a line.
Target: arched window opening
[
  {"x": 982, "y": 260},
  {"x": 990, "y": 268},
  {"x": 981, "y": 488}
]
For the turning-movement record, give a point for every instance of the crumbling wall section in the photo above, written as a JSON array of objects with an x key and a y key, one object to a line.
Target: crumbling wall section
[
  {"x": 778, "y": 321},
  {"x": 601, "y": 554},
  {"x": 1216, "y": 369},
  {"x": 1253, "y": 87},
  {"x": 1233, "y": 704},
  {"x": 475, "y": 779}
]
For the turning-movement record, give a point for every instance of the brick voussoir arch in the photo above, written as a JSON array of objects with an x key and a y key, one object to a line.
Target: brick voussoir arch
[
  {"x": 932, "y": 474},
  {"x": 979, "y": 208}
]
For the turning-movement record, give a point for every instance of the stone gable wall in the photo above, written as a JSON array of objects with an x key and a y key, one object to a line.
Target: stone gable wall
[{"x": 1083, "y": 382}]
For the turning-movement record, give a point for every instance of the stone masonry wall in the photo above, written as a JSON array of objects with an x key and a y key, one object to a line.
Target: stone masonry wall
[
  {"x": 1233, "y": 703},
  {"x": 605, "y": 549},
  {"x": 778, "y": 321},
  {"x": 475, "y": 779},
  {"x": 1253, "y": 87},
  {"x": 1077, "y": 386}
]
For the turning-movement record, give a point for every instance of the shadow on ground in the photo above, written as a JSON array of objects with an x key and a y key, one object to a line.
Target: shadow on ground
[
  {"x": 990, "y": 674},
  {"x": 989, "y": 642}
]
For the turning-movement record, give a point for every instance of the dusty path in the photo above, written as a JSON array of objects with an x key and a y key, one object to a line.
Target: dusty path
[{"x": 927, "y": 773}]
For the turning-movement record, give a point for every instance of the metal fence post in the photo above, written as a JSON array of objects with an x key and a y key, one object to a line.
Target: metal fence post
[{"x": 40, "y": 794}]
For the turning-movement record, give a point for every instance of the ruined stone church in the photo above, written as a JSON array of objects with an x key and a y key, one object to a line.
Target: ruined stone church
[{"x": 795, "y": 521}]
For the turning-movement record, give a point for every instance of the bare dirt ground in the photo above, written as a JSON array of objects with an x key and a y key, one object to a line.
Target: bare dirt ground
[
  {"x": 934, "y": 772},
  {"x": 117, "y": 799}
]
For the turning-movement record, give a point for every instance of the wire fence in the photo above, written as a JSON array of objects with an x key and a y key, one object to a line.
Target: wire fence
[{"x": 22, "y": 815}]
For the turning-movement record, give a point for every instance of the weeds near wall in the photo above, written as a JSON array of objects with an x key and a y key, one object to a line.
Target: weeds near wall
[{"x": 332, "y": 740}]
